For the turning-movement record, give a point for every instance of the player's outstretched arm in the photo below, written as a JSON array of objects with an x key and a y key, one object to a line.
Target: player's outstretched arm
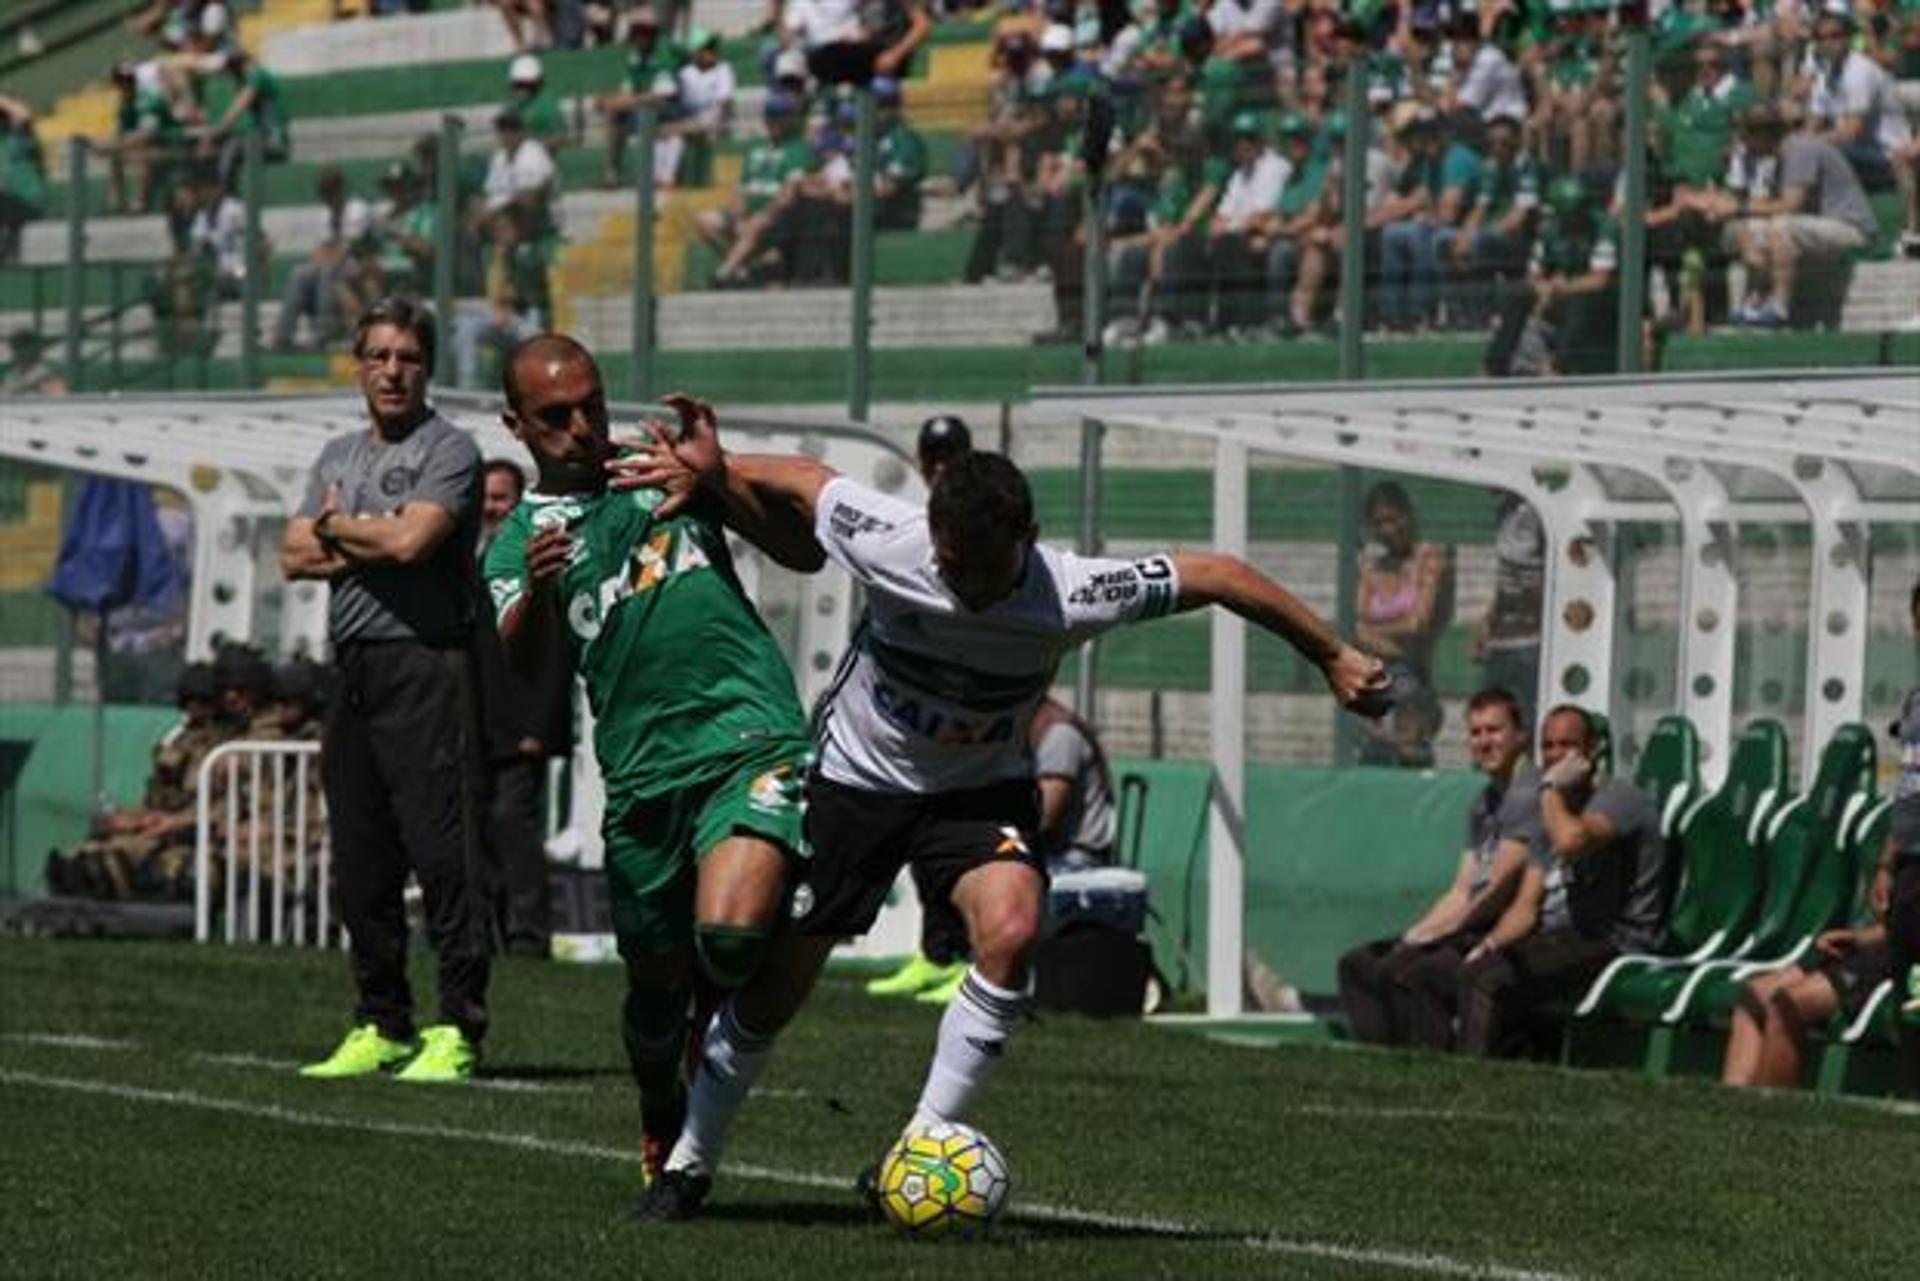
[
  {"x": 768, "y": 499},
  {"x": 1358, "y": 680}
]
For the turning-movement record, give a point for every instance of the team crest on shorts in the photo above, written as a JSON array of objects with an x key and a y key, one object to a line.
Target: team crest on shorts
[
  {"x": 802, "y": 900},
  {"x": 773, "y": 790}
]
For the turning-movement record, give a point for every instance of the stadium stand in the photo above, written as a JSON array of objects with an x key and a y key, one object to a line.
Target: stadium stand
[{"x": 348, "y": 109}]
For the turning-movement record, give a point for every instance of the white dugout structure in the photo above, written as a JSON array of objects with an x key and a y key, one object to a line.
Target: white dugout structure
[
  {"x": 241, "y": 463},
  {"x": 1837, "y": 457},
  {"x": 1831, "y": 460}
]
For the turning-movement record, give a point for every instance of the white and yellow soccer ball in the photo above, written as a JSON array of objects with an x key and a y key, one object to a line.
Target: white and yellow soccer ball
[{"x": 943, "y": 1180}]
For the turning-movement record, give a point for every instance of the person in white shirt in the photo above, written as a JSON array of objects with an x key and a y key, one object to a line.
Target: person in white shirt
[
  {"x": 923, "y": 735},
  {"x": 218, "y": 230},
  {"x": 521, "y": 171},
  {"x": 327, "y": 286},
  {"x": 706, "y": 92},
  {"x": 1236, "y": 248},
  {"x": 1855, "y": 104},
  {"x": 848, "y": 42},
  {"x": 1484, "y": 81}
]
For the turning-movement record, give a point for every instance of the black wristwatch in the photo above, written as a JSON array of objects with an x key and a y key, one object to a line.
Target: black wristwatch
[{"x": 327, "y": 540}]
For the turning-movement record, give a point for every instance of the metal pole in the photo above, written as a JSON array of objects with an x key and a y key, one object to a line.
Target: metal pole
[
  {"x": 1346, "y": 740},
  {"x": 1226, "y": 825},
  {"x": 96, "y": 792},
  {"x": 252, "y": 187},
  {"x": 1093, "y": 287},
  {"x": 1093, "y": 296},
  {"x": 115, "y": 338},
  {"x": 75, "y": 280},
  {"x": 1091, "y": 434},
  {"x": 1353, "y": 222},
  {"x": 446, "y": 238},
  {"x": 640, "y": 365},
  {"x": 860, "y": 363},
  {"x": 1633, "y": 224}
]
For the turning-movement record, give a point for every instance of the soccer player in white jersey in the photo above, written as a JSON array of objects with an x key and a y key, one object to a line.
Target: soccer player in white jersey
[{"x": 922, "y": 754}]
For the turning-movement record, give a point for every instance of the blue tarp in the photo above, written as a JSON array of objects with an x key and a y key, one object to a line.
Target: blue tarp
[{"x": 112, "y": 553}]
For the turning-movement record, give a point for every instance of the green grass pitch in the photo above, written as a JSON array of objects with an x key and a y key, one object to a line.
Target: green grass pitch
[{"x": 151, "y": 1125}]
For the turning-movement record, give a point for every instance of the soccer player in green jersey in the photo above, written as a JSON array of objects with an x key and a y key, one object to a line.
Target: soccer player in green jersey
[{"x": 700, "y": 737}]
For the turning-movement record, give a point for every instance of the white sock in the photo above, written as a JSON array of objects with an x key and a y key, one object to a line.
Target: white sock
[
  {"x": 973, "y": 1038},
  {"x": 730, "y": 1062}
]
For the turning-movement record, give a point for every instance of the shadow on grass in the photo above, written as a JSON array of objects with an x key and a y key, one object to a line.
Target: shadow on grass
[{"x": 850, "y": 1214}]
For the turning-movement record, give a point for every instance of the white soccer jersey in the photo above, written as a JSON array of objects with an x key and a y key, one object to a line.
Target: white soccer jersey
[{"x": 934, "y": 697}]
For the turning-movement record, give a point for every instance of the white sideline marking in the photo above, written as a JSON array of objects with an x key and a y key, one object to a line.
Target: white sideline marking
[
  {"x": 1407, "y": 1260},
  {"x": 69, "y": 1040},
  {"x": 510, "y": 1085}
]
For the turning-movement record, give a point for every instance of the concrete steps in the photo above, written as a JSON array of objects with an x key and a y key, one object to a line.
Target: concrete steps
[{"x": 991, "y": 315}]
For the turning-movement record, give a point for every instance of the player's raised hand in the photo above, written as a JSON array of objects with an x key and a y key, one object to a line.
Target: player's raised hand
[
  {"x": 547, "y": 554},
  {"x": 1360, "y": 682},
  {"x": 698, "y": 444}
]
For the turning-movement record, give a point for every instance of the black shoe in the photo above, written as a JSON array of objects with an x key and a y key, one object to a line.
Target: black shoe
[
  {"x": 867, "y": 1184},
  {"x": 673, "y": 1197}
]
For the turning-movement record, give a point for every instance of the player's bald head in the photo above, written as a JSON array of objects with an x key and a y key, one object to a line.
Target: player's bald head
[{"x": 542, "y": 356}]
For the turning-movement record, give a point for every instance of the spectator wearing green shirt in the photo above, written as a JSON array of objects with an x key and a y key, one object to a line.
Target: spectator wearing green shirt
[
  {"x": 538, "y": 107},
  {"x": 756, "y": 227},
  {"x": 653, "y": 68},
  {"x": 1433, "y": 195},
  {"x": 900, "y": 162},
  {"x": 150, "y": 135},
  {"x": 1160, "y": 269},
  {"x": 407, "y": 232},
  {"x": 518, "y": 304},
  {"x": 256, "y": 105},
  {"x": 1492, "y": 242},
  {"x": 23, "y": 175},
  {"x": 1302, "y": 208},
  {"x": 1573, "y": 79},
  {"x": 1562, "y": 320},
  {"x": 1696, "y": 132}
]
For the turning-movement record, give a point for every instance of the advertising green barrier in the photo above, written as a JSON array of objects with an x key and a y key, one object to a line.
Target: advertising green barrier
[
  {"x": 46, "y": 762},
  {"x": 1334, "y": 856}
]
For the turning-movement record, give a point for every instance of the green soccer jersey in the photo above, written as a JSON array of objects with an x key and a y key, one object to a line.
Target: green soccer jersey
[
  {"x": 681, "y": 673},
  {"x": 767, "y": 167}
]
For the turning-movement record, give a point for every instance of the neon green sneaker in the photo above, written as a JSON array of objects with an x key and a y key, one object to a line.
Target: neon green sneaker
[
  {"x": 446, "y": 1057},
  {"x": 943, "y": 992},
  {"x": 917, "y": 975},
  {"x": 362, "y": 1053},
  {"x": 1910, "y": 1011}
]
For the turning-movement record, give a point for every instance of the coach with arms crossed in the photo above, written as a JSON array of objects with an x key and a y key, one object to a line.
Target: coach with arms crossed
[{"x": 390, "y": 521}]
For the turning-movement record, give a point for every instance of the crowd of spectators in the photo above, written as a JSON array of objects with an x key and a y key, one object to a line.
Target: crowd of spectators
[
  {"x": 1493, "y": 176},
  {"x": 1494, "y": 173}
]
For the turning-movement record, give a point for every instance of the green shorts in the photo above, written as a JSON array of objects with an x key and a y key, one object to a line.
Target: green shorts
[{"x": 654, "y": 844}]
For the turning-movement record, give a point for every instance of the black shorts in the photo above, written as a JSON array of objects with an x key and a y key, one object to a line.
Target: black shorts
[
  {"x": 1855, "y": 976},
  {"x": 846, "y": 62},
  {"x": 861, "y": 840}
]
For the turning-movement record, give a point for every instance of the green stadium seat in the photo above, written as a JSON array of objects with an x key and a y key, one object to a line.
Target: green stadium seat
[
  {"x": 1669, "y": 770},
  {"x": 1860, "y": 1052},
  {"x": 1811, "y": 873},
  {"x": 1720, "y": 841}
]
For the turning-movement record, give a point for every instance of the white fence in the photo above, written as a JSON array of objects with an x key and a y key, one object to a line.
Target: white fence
[{"x": 270, "y": 857}]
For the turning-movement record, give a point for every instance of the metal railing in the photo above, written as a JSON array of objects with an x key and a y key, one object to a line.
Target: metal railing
[{"x": 273, "y": 824}]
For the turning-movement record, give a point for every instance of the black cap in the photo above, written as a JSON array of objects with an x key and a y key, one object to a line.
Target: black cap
[
  {"x": 237, "y": 667},
  {"x": 196, "y": 683},
  {"x": 943, "y": 438}
]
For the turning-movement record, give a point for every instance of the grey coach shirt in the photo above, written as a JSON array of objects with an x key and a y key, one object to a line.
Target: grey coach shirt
[{"x": 432, "y": 600}]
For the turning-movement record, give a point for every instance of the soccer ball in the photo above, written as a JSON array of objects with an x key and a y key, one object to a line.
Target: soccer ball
[{"x": 943, "y": 1181}]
